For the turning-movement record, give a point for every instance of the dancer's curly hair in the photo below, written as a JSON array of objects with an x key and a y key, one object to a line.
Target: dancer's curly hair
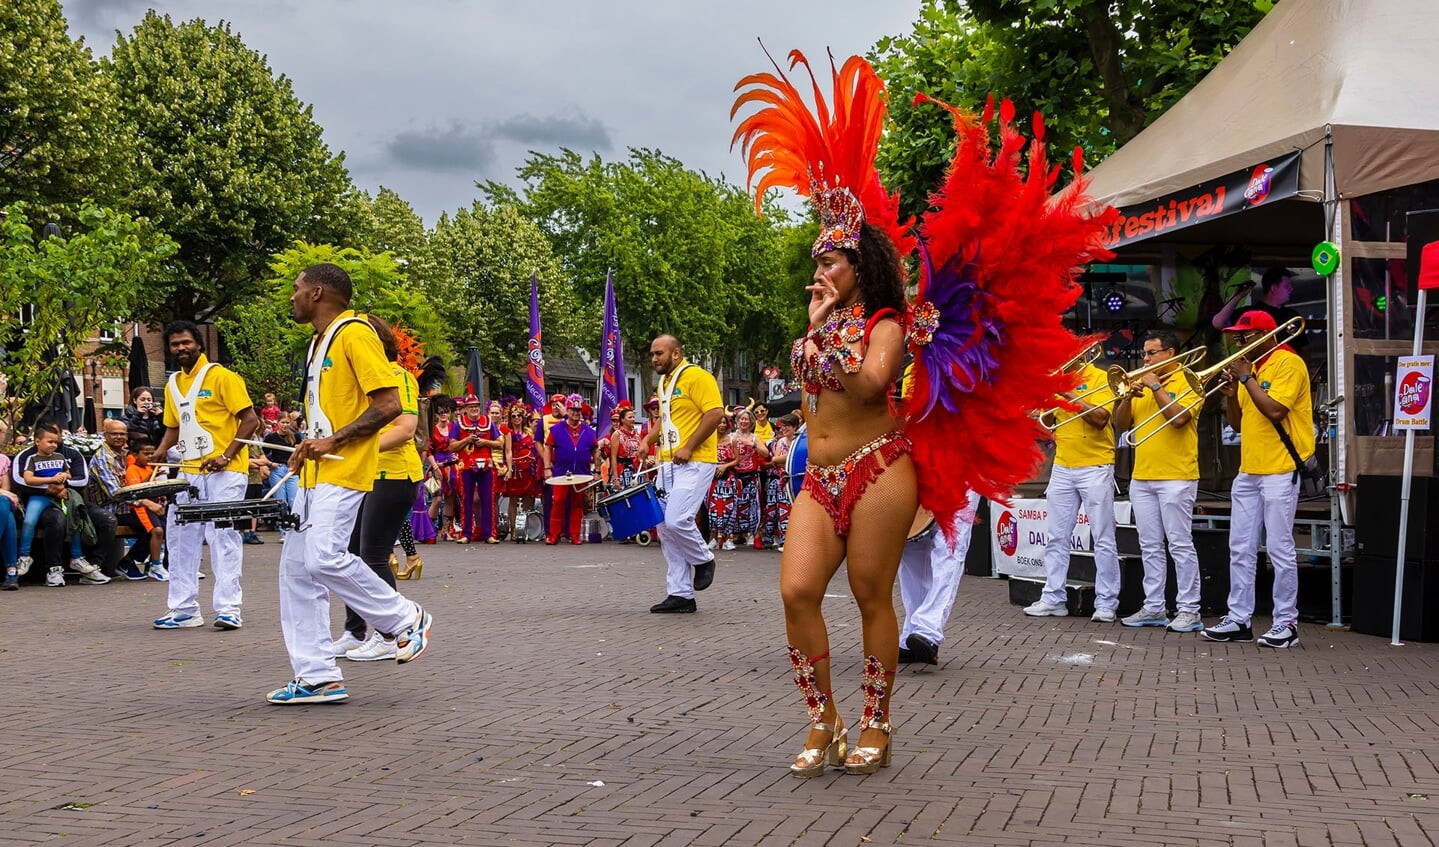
[{"x": 878, "y": 271}]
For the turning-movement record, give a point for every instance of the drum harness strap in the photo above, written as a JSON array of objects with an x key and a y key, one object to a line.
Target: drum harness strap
[
  {"x": 319, "y": 424},
  {"x": 668, "y": 431},
  {"x": 195, "y": 441}
]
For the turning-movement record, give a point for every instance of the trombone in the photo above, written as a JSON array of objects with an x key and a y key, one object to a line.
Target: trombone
[
  {"x": 1199, "y": 382},
  {"x": 1123, "y": 384},
  {"x": 1081, "y": 360}
]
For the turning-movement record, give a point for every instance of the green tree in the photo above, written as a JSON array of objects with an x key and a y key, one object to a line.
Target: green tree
[
  {"x": 60, "y": 138},
  {"x": 266, "y": 346},
  {"x": 1098, "y": 70},
  {"x": 477, "y": 270},
  {"x": 396, "y": 229},
  {"x": 70, "y": 287},
  {"x": 689, "y": 255},
  {"x": 229, "y": 162}
]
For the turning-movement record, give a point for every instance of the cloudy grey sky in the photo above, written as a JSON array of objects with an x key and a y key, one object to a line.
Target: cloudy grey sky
[{"x": 429, "y": 96}]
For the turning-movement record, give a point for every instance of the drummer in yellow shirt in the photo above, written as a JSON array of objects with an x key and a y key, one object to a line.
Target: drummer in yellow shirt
[
  {"x": 1165, "y": 483},
  {"x": 1083, "y": 473},
  {"x": 350, "y": 394},
  {"x": 1260, "y": 399}
]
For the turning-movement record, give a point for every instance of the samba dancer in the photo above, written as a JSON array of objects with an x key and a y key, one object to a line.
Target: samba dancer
[
  {"x": 689, "y": 410},
  {"x": 625, "y": 456},
  {"x": 350, "y": 394},
  {"x": 478, "y": 438},
  {"x": 520, "y": 480},
  {"x": 751, "y": 454},
  {"x": 984, "y": 324},
  {"x": 207, "y": 411},
  {"x": 445, "y": 512}
]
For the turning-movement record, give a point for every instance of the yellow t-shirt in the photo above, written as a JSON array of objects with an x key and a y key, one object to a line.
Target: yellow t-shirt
[
  {"x": 221, "y": 399},
  {"x": 403, "y": 461},
  {"x": 1284, "y": 377},
  {"x": 694, "y": 394},
  {"x": 1173, "y": 453},
  {"x": 1079, "y": 445},
  {"x": 354, "y": 366},
  {"x": 765, "y": 431}
]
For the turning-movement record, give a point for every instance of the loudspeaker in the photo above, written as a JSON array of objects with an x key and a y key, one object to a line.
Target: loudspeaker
[
  {"x": 980, "y": 559},
  {"x": 1376, "y": 530},
  {"x": 1374, "y": 599}
]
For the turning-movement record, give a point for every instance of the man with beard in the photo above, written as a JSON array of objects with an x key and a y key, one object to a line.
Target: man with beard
[
  {"x": 207, "y": 411},
  {"x": 690, "y": 410},
  {"x": 350, "y": 394}
]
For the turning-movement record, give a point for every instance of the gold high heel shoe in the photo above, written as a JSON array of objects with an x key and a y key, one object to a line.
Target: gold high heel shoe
[
  {"x": 413, "y": 565},
  {"x": 811, "y": 761},
  {"x": 865, "y": 760},
  {"x": 395, "y": 566}
]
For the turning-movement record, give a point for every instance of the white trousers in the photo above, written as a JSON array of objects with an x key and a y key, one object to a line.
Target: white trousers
[
  {"x": 1164, "y": 509},
  {"x": 1093, "y": 487},
  {"x": 686, "y": 487},
  {"x": 929, "y": 574},
  {"x": 1267, "y": 501},
  {"x": 183, "y": 541},
  {"x": 315, "y": 561}
]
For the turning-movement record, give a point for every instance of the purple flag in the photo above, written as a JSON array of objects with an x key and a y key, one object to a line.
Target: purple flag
[
  {"x": 613, "y": 387},
  {"x": 535, "y": 367}
]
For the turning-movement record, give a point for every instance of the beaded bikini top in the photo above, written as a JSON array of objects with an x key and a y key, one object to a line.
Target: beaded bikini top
[{"x": 835, "y": 344}]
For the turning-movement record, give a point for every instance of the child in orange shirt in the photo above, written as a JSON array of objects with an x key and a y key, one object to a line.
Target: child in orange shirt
[{"x": 148, "y": 516}]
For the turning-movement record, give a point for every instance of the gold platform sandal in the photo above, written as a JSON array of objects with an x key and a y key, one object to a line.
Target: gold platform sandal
[
  {"x": 864, "y": 760},
  {"x": 811, "y": 761}
]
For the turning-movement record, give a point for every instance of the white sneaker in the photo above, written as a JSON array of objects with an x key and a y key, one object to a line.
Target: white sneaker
[
  {"x": 728, "y": 545},
  {"x": 713, "y": 545},
  {"x": 1043, "y": 609},
  {"x": 83, "y": 567},
  {"x": 22, "y": 565},
  {"x": 373, "y": 650},
  {"x": 1147, "y": 617},
  {"x": 1280, "y": 635},
  {"x": 94, "y": 578},
  {"x": 1186, "y": 622},
  {"x": 344, "y": 644},
  {"x": 157, "y": 572},
  {"x": 55, "y": 578},
  {"x": 1102, "y": 616}
]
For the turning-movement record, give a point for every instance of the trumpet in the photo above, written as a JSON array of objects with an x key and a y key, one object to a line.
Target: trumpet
[{"x": 1208, "y": 381}]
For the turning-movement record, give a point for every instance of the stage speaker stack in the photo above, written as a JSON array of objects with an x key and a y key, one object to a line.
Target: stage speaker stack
[{"x": 1376, "y": 537}]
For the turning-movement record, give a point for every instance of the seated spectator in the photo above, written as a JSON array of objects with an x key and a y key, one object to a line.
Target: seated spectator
[
  {"x": 9, "y": 508},
  {"x": 107, "y": 476},
  {"x": 45, "y": 472},
  {"x": 146, "y": 517}
]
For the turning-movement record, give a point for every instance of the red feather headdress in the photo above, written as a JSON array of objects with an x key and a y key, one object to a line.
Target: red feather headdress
[
  {"x": 832, "y": 147},
  {"x": 998, "y": 259}
]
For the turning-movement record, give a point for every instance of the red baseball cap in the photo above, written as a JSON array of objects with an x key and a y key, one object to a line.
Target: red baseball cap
[{"x": 1255, "y": 321}]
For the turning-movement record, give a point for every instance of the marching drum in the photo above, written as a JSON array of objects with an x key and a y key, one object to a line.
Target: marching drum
[
  {"x": 236, "y": 512},
  {"x": 633, "y": 511},
  {"x": 794, "y": 462},
  {"x": 154, "y": 489}
]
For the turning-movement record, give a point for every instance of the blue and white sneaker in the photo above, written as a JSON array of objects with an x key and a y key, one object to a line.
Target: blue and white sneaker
[
  {"x": 156, "y": 571},
  {"x": 178, "y": 620},
  {"x": 131, "y": 571},
  {"x": 298, "y": 692},
  {"x": 411, "y": 643},
  {"x": 1147, "y": 617},
  {"x": 228, "y": 620}
]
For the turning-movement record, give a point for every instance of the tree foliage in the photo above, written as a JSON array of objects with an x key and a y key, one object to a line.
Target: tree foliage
[
  {"x": 477, "y": 269},
  {"x": 70, "y": 287},
  {"x": 1098, "y": 70},
  {"x": 228, "y": 161},
  {"x": 689, "y": 255},
  {"x": 60, "y": 139},
  {"x": 266, "y": 346}
]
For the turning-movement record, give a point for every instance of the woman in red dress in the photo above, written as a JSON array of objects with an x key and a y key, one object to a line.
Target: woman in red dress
[
  {"x": 520, "y": 480},
  {"x": 625, "y": 457}
]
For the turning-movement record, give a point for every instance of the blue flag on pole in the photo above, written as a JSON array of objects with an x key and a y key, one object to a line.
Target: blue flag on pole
[
  {"x": 613, "y": 387},
  {"x": 535, "y": 366}
]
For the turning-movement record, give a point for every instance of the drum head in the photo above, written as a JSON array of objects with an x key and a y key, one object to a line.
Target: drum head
[
  {"x": 923, "y": 524},
  {"x": 794, "y": 462},
  {"x": 570, "y": 479},
  {"x": 150, "y": 490}
]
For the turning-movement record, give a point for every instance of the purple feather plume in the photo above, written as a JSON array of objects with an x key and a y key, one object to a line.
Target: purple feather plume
[{"x": 961, "y": 351}]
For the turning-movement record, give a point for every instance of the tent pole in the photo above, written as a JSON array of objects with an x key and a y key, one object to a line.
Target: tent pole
[{"x": 1334, "y": 317}]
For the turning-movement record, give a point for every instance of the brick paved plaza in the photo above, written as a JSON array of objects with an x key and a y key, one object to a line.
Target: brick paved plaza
[{"x": 554, "y": 710}]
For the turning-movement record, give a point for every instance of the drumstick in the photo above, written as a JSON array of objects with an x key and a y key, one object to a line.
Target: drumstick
[
  {"x": 284, "y": 479},
  {"x": 271, "y": 446}
]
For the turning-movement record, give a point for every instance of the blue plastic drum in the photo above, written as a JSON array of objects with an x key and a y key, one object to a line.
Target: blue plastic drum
[
  {"x": 794, "y": 463},
  {"x": 632, "y": 511}
]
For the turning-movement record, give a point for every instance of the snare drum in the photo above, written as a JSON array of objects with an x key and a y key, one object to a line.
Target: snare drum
[
  {"x": 238, "y": 513},
  {"x": 153, "y": 490},
  {"x": 794, "y": 463}
]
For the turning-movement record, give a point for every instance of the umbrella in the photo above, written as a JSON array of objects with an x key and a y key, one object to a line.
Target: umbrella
[
  {"x": 139, "y": 364},
  {"x": 475, "y": 375}
]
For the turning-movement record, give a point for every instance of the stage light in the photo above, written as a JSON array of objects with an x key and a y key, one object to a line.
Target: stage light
[{"x": 1114, "y": 301}]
